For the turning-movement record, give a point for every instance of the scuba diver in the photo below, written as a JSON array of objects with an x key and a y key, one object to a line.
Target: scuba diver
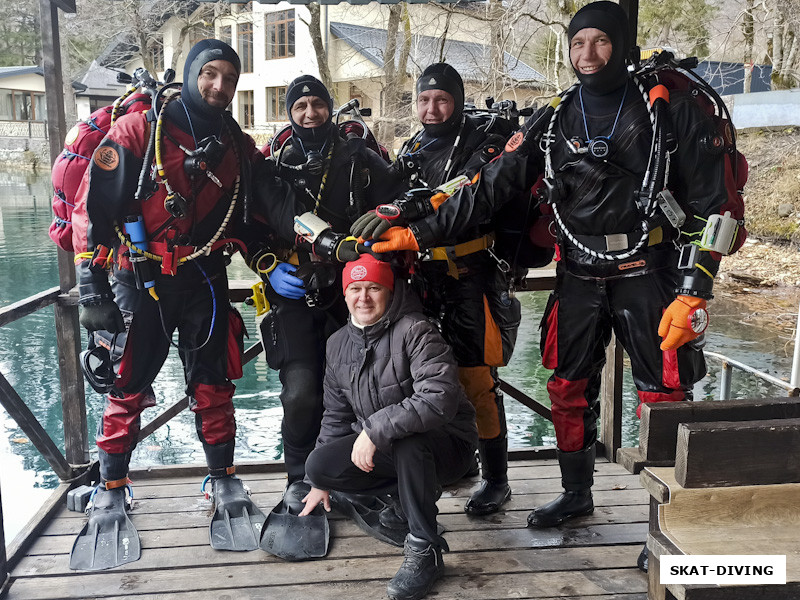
[
  {"x": 313, "y": 186},
  {"x": 162, "y": 192},
  {"x": 646, "y": 200},
  {"x": 462, "y": 281}
]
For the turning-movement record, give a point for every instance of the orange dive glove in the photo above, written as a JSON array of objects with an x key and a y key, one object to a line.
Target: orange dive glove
[
  {"x": 396, "y": 238},
  {"x": 684, "y": 320}
]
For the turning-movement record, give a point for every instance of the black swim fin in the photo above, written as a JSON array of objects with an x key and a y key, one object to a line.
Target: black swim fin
[
  {"x": 290, "y": 537},
  {"x": 365, "y": 511},
  {"x": 109, "y": 538},
  {"x": 236, "y": 523}
]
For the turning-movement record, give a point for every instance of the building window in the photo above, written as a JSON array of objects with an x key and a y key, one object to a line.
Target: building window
[
  {"x": 246, "y": 112},
  {"x": 157, "y": 54},
  {"x": 226, "y": 34},
  {"x": 280, "y": 34},
  {"x": 16, "y": 105},
  {"x": 201, "y": 31},
  {"x": 276, "y": 103},
  {"x": 244, "y": 45}
]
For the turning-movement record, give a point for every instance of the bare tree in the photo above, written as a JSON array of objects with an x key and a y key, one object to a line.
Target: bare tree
[
  {"x": 748, "y": 29},
  {"x": 395, "y": 68},
  {"x": 782, "y": 42},
  {"x": 315, "y": 29}
]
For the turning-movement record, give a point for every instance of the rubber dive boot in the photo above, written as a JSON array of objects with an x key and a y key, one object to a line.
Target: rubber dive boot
[
  {"x": 494, "y": 490},
  {"x": 421, "y": 568},
  {"x": 577, "y": 469}
]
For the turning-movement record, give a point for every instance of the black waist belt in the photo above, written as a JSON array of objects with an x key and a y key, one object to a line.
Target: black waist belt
[
  {"x": 619, "y": 242},
  {"x": 647, "y": 261}
]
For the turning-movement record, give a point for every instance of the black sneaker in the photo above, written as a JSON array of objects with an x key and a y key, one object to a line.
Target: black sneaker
[{"x": 421, "y": 568}]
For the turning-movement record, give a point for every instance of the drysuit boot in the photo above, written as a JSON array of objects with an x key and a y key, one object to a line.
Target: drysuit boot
[
  {"x": 494, "y": 490},
  {"x": 577, "y": 470},
  {"x": 421, "y": 568}
]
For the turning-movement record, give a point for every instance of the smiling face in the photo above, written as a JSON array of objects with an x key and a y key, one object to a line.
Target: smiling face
[
  {"x": 217, "y": 83},
  {"x": 367, "y": 301},
  {"x": 590, "y": 50},
  {"x": 434, "y": 106},
  {"x": 310, "y": 111}
]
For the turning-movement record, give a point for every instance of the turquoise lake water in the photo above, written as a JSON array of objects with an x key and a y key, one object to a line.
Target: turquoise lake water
[{"x": 28, "y": 360}]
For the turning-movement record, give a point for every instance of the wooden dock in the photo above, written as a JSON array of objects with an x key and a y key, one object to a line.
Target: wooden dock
[{"x": 592, "y": 558}]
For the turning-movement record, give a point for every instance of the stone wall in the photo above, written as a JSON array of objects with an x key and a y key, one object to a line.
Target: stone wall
[{"x": 23, "y": 152}]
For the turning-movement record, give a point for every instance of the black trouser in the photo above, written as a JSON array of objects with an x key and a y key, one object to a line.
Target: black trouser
[
  {"x": 577, "y": 324},
  {"x": 195, "y": 303},
  {"x": 413, "y": 469},
  {"x": 294, "y": 338}
]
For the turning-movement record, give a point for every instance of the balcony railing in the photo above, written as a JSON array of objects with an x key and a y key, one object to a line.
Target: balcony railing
[{"x": 23, "y": 129}]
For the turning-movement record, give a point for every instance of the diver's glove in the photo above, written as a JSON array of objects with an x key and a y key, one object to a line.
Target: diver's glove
[
  {"x": 283, "y": 281},
  {"x": 98, "y": 310},
  {"x": 683, "y": 320},
  {"x": 102, "y": 315},
  {"x": 395, "y": 239},
  {"x": 414, "y": 205}
]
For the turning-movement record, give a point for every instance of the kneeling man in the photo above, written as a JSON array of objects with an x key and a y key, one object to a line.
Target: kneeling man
[{"x": 396, "y": 419}]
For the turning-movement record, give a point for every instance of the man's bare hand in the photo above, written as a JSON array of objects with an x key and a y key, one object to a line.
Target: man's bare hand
[
  {"x": 313, "y": 498},
  {"x": 363, "y": 452}
]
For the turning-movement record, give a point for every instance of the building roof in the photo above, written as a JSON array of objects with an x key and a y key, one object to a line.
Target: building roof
[
  {"x": 728, "y": 77},
  {"x": 14, "y": 71},
  {"x": 31, "y": 70},
  {"x": 470, "y": 59},
  {"x": 99, "y": 80}
]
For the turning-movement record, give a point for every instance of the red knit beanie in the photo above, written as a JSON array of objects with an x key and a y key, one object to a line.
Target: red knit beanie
[{"x": 368, "y": 268}]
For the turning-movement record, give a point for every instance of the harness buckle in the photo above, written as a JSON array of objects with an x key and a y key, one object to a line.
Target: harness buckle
[{"x": 616, "y": 242}]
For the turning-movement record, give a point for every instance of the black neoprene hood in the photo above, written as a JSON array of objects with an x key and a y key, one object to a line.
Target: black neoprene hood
[
  {"x": 308, "y": 85},
  {"x": 441, "y": 76},
  {"x": 610, "y": 18},
  {"x": 201, "y": 53}
]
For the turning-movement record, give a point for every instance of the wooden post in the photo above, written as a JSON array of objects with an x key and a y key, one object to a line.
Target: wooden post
[
  {"x": 68, "y": 330},
  {"x": 54, "y": 82},
  {"x": 631, "y": 8},
  {"x": 611, "y": 400}
]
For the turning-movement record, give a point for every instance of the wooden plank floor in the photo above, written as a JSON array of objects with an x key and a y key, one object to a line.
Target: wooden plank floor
[{"x": 496, "y": 557}]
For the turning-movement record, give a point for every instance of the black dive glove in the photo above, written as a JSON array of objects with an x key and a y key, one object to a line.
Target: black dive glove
[
  {"x": 103, "y": 315},
  {"x": 98, "y": 309},
  {"x": 414, "y": 205}
]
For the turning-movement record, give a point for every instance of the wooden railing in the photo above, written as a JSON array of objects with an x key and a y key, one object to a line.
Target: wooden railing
[{"x": 73, "y": 466}]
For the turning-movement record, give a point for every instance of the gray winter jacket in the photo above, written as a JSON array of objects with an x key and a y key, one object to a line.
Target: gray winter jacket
[{"x": 394, "y": 378}]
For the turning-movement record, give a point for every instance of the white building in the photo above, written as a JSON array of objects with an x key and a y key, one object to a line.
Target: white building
[{"x": 275, "y": 46}]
